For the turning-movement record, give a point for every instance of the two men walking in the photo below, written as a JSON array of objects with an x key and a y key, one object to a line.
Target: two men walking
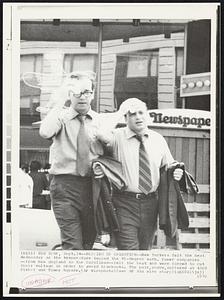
[{"x": 78, "y": 139}]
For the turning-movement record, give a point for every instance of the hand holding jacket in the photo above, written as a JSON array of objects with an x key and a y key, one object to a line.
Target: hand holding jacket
[{"x": 172, "y": 210}]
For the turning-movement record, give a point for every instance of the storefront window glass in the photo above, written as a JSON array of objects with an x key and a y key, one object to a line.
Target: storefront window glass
[
  {"x": 137, "y": 66},
  {"x": 79, "y": 62},
  {"x": 31, "y": 63},
  {"x": 29, "y": 93},
  {"x": 136, "y": 75}
]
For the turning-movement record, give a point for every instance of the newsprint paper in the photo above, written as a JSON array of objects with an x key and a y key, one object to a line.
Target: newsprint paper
[{"x": 44, "y": 42}]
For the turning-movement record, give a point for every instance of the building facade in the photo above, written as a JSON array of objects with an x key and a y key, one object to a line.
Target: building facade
[{"x": 131, "y": 59}]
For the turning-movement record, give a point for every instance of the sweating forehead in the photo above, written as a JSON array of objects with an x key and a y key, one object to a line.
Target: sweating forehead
[{"x": 137, "y": 108}]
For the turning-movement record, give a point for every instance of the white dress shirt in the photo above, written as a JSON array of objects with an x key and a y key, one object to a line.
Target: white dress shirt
[{"x": 126, "y": 149}]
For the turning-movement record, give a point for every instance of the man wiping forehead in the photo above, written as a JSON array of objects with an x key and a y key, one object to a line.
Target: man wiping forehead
[
  {"x": 72, "y": 152},
  {"x": 142, "y": 152}
]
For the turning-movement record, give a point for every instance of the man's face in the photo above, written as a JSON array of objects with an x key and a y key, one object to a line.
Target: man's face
[
  {"x": 136, "y": 121},
  {"x": 81, "y": 95}
]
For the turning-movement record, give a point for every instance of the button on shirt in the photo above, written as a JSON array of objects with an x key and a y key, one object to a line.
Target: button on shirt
[
  {"x": 64, "y": 129},
  {"x": 126, "y": 149}
]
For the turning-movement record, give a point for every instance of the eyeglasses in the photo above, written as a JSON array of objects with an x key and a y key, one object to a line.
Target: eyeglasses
[{"x": 85, "y": 93}]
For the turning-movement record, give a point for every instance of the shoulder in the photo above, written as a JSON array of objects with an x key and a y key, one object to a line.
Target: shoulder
[
  {"x": 119, "y": 132},
  {"x": 37, "y": 175},
  {"x": 28, "y": 178}
]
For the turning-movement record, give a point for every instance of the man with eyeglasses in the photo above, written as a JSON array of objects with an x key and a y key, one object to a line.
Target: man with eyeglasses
[{"x": 72, "y": 151}]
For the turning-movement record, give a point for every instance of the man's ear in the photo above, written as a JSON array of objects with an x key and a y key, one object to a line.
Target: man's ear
[{"x": 126, "y": 118}]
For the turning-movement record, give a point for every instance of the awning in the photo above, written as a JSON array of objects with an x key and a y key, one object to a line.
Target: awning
[{"x": 73, "y": 30}]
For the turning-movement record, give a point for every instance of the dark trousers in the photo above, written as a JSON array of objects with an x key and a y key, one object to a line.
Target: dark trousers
[
  {"x": 138, "y": 221},
  {"x": 39, "y": 201},
  {"x": 72, "y": 205}
]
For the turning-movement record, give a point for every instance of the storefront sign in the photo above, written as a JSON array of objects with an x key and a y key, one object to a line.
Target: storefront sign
[{"x": 180, "y": 118}]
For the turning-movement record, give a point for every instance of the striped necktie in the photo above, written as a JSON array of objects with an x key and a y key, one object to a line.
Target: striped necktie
[
  {"x": 145, "y": 179},
  {"x": 83, "y": 148}
]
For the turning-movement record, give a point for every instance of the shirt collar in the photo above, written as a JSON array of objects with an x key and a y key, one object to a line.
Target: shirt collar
[
  {"x": 130, "y": 133},
  {"x": 72, "y": 114}
]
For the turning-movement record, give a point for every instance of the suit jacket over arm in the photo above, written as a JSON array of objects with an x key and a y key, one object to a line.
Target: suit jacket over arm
[
  {"x": 104, "y": 211},
  {"x": 172, "y": 210}
]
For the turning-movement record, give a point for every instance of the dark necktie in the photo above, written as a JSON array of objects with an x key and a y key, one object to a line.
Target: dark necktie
[
  {"x": 145, "y": 179},
  {"x": 83, "y": 148}
]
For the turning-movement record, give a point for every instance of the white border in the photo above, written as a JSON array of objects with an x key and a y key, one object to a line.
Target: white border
[{"x": 6, "y": 105}]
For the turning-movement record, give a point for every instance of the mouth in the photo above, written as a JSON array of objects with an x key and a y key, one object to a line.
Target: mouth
[{"x": 139, "y": 123}]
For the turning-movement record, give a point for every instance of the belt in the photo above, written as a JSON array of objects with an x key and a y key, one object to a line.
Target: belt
[
  {"x": 71, "y": 176},
  {"x": 135, "y": 195}
]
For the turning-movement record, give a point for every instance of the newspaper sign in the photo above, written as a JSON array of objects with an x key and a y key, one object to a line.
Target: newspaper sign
[{"x": 180, "y": 118}]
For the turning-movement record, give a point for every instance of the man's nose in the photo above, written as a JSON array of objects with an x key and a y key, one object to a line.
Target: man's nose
[{"x": 82, "y": 96}]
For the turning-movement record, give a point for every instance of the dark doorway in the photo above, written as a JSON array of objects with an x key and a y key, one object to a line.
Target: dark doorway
[{"x": 198, "y": 58}]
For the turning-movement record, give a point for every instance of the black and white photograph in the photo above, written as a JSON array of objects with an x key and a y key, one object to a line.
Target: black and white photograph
[{"x": 111, "y": 147}]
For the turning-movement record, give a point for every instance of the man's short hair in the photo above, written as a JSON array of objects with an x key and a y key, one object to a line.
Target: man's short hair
[
  {"x": 35, "y": 165},
  {"x": 132, "y": 105}
]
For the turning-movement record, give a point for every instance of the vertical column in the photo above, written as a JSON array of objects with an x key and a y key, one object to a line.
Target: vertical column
[
  {"x": 99, "y": 66},
  {"x": 107, "y": 83},
  {"x": 166, "y": 78},
  {"x": 52, "y": 78}
]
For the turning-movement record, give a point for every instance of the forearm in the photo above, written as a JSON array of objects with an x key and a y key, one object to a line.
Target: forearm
[{"x": 51, "y": 124}]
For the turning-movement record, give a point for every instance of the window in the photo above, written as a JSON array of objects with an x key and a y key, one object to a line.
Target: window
[
  {"x": 29, "y": 94},
  {"x": 143, "y": 65},
  {"x": 137, "y": 66},
  {"x": 136, "y": 75},
  {"x": 31, "y": 63},
  {"x": 28, "y": 111},
  {"x": 79, "y": 62}
]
